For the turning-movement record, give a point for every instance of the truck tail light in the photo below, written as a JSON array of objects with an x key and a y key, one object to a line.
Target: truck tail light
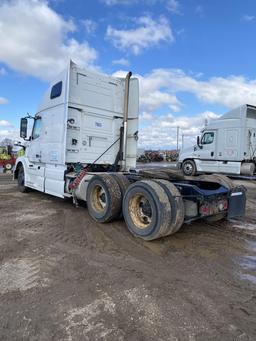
[
  {"x": 210, "y": 208},
  {"x": 223, "y": 205},
  {"x": 204, "y": 210}
]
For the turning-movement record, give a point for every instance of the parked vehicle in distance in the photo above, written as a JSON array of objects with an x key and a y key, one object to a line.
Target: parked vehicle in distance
[
  {"x": 172, "y": 155},
  {"x": 7, "y": 158},
  {"x": 83, "y": 146},
  {"x": 227, "y": 145},
  {"x": 151, "y": 156}
]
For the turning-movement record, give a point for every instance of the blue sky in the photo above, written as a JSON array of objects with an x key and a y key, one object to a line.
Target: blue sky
[{"x": 195, "y": 59}]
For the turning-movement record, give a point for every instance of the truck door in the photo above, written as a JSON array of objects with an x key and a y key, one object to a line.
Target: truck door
[
  {"x": 208, "y": 146},
  {"x": 35, "y": 173}
]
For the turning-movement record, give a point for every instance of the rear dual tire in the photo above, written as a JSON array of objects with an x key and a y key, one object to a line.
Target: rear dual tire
[
  {"x": 149, "y": 209},
  {"x": 104, "y": 198},
  {"x": 123, "y": 184},
  {"x": 177, "y": 205}
]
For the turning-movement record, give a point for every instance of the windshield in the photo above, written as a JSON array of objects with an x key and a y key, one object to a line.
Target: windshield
[{"x": 207, "y": 138}]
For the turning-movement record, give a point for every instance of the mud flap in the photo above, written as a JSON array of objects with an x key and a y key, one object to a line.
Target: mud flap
[{"x": 237, "y": 203}]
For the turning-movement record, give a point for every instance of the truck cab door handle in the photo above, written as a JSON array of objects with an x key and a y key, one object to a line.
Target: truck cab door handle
[
  {"x": 212, "y": 153},
  {"x": 38, "y": 155}
]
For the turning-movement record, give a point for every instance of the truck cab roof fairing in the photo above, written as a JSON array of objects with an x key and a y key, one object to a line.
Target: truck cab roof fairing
[{"x": 48, "y": 100}]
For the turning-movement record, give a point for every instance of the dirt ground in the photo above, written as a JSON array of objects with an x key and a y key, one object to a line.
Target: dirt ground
[{"x": 64, "y": 277}]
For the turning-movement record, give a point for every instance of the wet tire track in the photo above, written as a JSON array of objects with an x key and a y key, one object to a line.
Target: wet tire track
[{"x": 67, "y": 277}]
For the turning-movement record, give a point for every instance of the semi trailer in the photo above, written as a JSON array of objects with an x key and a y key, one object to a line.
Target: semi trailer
[
  {"x": 227, "y": 145},
  {"x": 83, "y": 146}
]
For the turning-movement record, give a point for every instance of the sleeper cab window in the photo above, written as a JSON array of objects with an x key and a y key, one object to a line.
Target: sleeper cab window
[
  {"x": 37, "y": 128},
  {"x": 208, "y": 138},
  {"x": 56, "y": 90}
]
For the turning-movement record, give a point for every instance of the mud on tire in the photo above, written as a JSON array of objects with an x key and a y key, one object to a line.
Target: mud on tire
[
  {"x": 104, "y": 198},
  {"x": 123, "y": 183},
  {"x": 147, "y": 210},
  {"x": 177, "y": 205}
]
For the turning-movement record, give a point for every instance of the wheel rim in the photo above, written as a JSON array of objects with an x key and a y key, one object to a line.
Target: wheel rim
[
  {"x": 99, "y": 198},
  {"x": 188, "y": 168},
  {"x": 140, "y": 211},
  {"x": 8, "y": 166}
]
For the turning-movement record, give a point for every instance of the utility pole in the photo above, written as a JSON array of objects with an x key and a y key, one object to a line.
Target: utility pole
[
  {"x": 182, "y": 141},
  {"x": 178, "y": 131}
]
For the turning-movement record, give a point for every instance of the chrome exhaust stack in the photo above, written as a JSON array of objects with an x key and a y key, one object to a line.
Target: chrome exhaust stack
[{"x": 125, "y": 122}]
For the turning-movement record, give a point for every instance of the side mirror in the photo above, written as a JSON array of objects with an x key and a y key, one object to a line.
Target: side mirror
[
  {"x": 198, "y": 142},
  {"x": 23, "y": 128}
]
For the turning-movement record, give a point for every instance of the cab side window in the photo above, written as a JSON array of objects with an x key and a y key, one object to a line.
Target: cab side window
[
  {"x": 56, "y": 90},
  {"x": 207, "y": 138},
  {"x": 36, "y": 128}
]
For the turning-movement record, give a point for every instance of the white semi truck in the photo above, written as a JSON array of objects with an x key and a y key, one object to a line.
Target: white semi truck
[
  {"x": 227, "y": 145},
  {"x": 83, "y": 145}
]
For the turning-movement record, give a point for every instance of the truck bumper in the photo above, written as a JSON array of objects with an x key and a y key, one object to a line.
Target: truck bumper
[{"x": 233, "y": 205}]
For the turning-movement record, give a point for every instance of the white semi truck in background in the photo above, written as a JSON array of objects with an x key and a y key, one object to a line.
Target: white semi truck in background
[
  {"x": 83, "y": 146},
  {"x": 227, "y": 145}
]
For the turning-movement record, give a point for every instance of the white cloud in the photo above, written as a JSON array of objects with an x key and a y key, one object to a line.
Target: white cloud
[
  {"x": 35, "y": 40},
  {"x": 148, "y": 33},
  {"x": 146, "y": 117},
  {"x": 230, "y": 92},
  {"x": 161, "y": 131},
  {"x": 248, "y": 17},
  {"x": 118, "y": 2},
  {"x": 3, "y": 71},
  {"x": 180, "y": 32},
  {"x": 199, "y": 10},
  {"x": 3, "y": 100},
  {"x": 154, "y": 92},
  {"x": 10, "y": 134},
  {"x": 173, "y": 6},
  {"x": 4, "y": 123},
  {"x": 161, "y": 88},
  {"x": 89, "y": 25},
  {"x": 121, "y": 61},
  {"x": 155, "y": 99}
]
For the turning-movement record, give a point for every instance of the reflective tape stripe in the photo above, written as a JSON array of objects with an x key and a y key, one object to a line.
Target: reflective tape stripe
[{"x": 236, "y": 193}]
